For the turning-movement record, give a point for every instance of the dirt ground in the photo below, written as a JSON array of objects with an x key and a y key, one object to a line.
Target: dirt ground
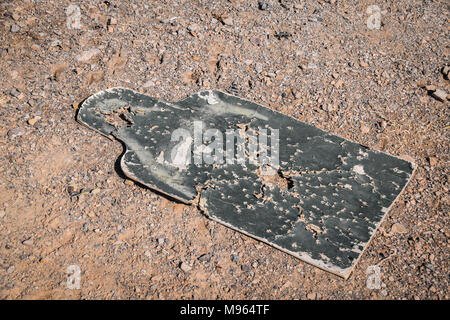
[{"x": 64, "y": 203}]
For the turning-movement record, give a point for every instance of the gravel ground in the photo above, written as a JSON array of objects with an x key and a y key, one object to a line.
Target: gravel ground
[{"x": 328, "y": 63}]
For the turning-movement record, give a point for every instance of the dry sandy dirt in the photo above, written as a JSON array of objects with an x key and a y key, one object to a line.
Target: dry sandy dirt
[{"x": 63, "y": 202}]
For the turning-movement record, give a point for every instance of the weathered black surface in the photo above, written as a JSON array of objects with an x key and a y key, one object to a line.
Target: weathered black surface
[{"x": 322, "y": 204}]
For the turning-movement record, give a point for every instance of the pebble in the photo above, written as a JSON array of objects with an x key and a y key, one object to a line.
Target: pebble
[
  {"x": 86, "y": 227},
  {"x": 95, "y": 191},
  {"x": 365, "y": 129},
  {"x": 234, "y": 258},
  {"x": 88, "y": 55},
  {"x": 440, "y": 95},
  {"x": 263, "y": 5},
  {"x": 204, "y": 257},
  {"x": 432, "y": 161},
  {"x": 311, "y": 296},
  {"x": 148, "y": 84},
  {"x": 14, "y": 92},
  {"x": 32, "y": 102},
  {"x": 55, "y": 43},
  {"x": 16, "y": 132},
  {"x": 185, "y": 267},
  {"x": 228, "y": 21},
  {"x": 363, "y": 64},
  {"x": 445, "y": 71},
  {"x": 193, "y": 27},
  {"x": 28, "y": 242},
  {"x": 14, "y": 74},
  {"x": 331, "y": 107},
  {"x": 14, "y": 28},
  {"x": 112, "y": 21},
  {"x": 398, "y": 228},
  {"x": 282, "y": 35},
  {"x": 33, "y": 121}
]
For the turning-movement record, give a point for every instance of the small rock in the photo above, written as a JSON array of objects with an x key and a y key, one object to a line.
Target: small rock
[
  {"x": 14, "y": 28},
  {"x": 88, "y": 56},
  {"x": 365, "y": 129},
  {"x": 16, "y": 132},
  {"x": 363, "y": 64},
  {"x": 282, "y": 35},
  {"x": 331, "y": 107},
  {"x": 112, "y": 21},
  {"x": 263, "y": 5},
  {"x": 32, "y": 102},
  {"x": 228, "y": 21},
  {"x": 430, "y": 87},
  {"x": 55, "y": 43},
  {"x": 245, "y": 268},
  {"x": 160, "y": 241},
  {"x": 234, "y": 258},
  {"x": 432, "y": 161},
  {"x": 73, "y": 17},
  {"x": 86, "y": 227},
  {"x": 14, "y": 74},
  {"x": 193, "y": 28},
  {"x": 445, "y": 71},
  {"x": 185, "y": 267},
  {"x": 33, "y": 121},
  {"x": 14, "y": 92},
  {"x": 148, "y": 84},
  {"x": 311, "y": 296},
  {"x": 421, "y": 83},
  {"x": 204, "y": 257},
  {"x": 440, "y": 95},
  {"x": 28, "y": 242},
  {"x": 398, "y": 228}
]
